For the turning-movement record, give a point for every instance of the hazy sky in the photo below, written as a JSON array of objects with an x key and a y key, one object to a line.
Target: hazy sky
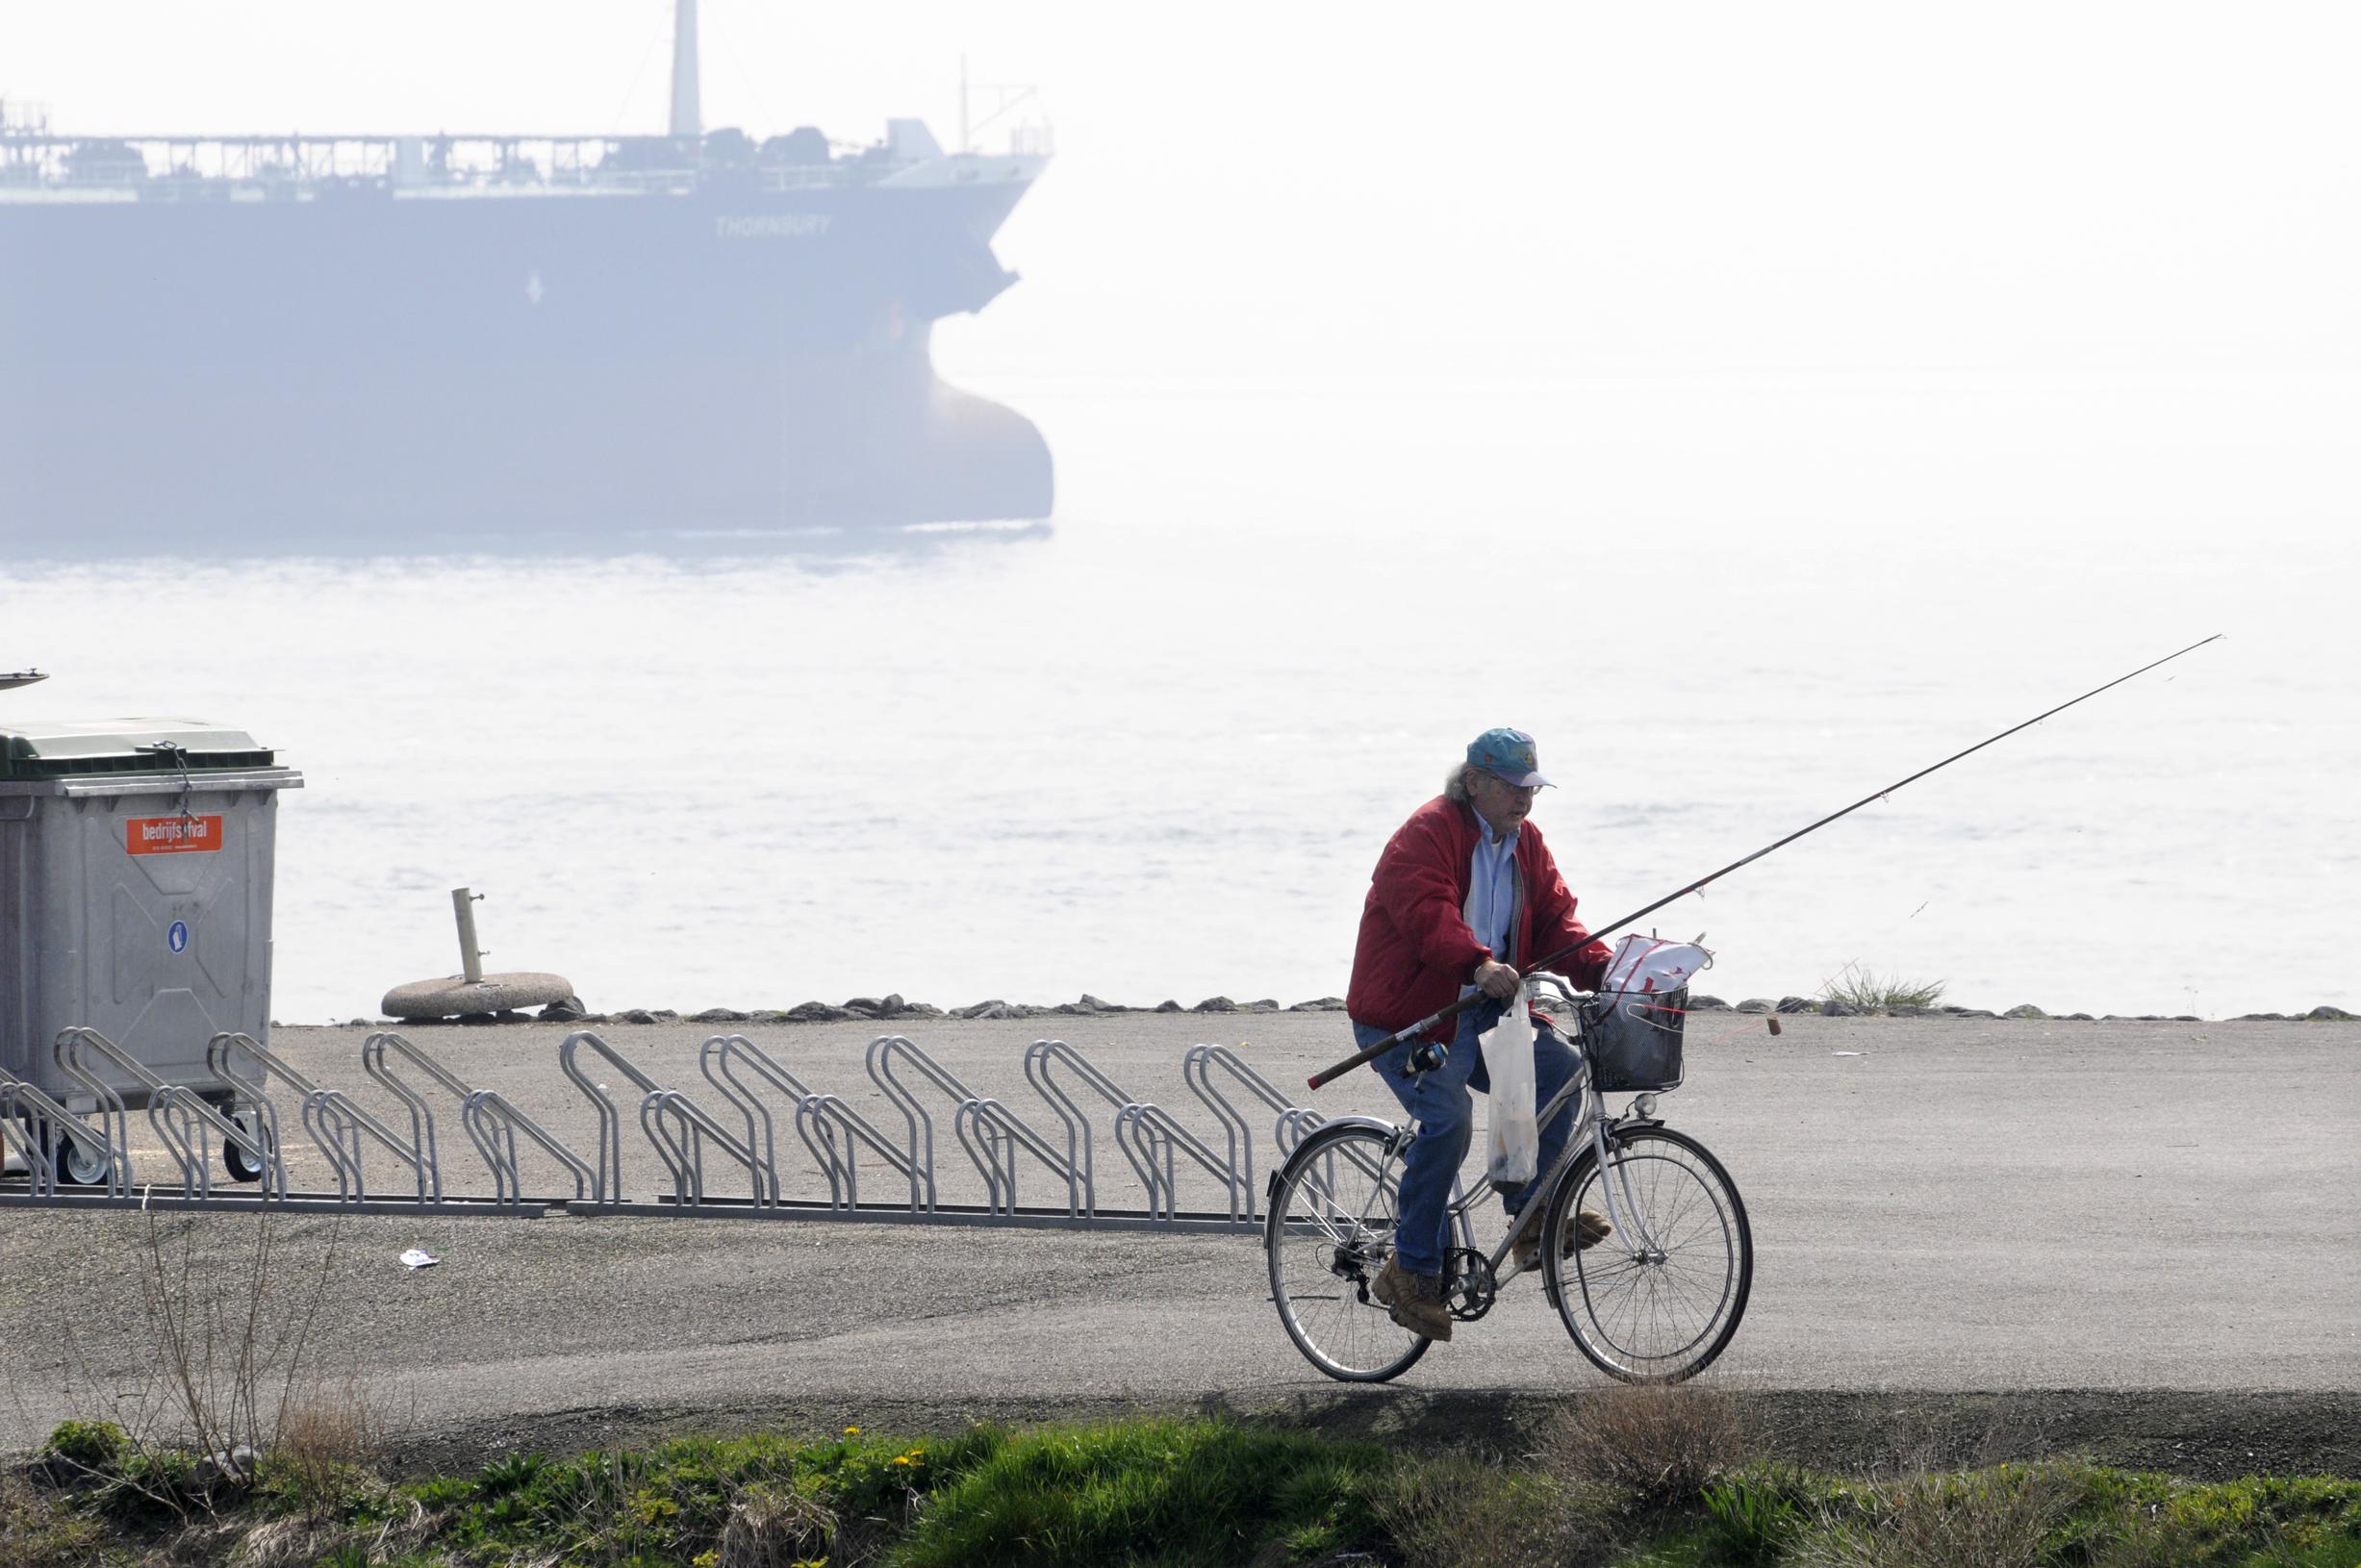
[{"x": 1270, "y": 191}]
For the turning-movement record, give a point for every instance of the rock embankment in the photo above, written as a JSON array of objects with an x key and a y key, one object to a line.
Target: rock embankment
[
  {"x": 894, "y": 1007},
  {"x": 1836, "y": 1007}
]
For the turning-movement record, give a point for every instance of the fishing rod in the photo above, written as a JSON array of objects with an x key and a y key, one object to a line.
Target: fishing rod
[{"x": 1473, "y": 998}]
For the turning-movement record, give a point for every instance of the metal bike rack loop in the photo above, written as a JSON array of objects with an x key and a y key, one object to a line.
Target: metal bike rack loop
[
  {"x": 1147, "y": 1135},
  {"x": 990, "y": 1133},
  {"x": 831, "y": 1129},
  {"x": 676, "y": 1126},
  {"x": 332, "y": 1118},
  {"x": 43, "y": 1126},
  {"x": 177, "y": 1114},
  {"x": 1293, "y": 1123},
  {"x": 485, "y": 1115}
]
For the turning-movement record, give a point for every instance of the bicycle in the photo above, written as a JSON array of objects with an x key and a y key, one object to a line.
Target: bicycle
[{"x": 1654, "y": 1303}]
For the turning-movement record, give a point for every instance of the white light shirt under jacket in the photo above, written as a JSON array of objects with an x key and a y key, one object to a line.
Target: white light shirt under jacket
[{"x": 1491, "y": 891}]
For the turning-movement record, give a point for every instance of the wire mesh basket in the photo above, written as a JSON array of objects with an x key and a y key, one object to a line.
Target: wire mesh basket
[{"x": 1633, "y": 1040}]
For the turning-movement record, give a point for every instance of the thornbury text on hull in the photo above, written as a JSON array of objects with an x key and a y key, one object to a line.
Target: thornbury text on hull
[{"x": 323, "y": 342}]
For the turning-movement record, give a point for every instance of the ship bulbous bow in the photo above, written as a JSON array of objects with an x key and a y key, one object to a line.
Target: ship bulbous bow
[{"x": 986, "y": 463}]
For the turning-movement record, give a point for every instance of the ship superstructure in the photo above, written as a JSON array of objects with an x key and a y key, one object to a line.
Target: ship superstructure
[{"x": 334, "y": 342}]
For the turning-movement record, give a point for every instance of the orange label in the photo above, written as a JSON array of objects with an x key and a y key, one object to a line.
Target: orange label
[{"x": 172, "y": 835}]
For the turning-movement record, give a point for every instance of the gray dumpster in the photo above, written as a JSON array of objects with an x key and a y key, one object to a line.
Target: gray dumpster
[{"x": 135, "y": 859}]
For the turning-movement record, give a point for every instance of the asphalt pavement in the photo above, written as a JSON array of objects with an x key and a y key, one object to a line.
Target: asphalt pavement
[{"x": 1938, "y": 1205}]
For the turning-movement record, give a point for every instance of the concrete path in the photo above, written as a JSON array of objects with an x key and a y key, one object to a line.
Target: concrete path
[{"x": 1938, "y": 1205}]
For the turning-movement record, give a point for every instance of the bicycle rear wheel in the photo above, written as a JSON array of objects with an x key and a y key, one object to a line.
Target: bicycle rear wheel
[
  {"x": 1658, "y": 1300},
  {"x": 1330, "y": 1230}
]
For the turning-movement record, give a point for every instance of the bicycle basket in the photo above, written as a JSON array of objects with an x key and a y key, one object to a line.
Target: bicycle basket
[{"x": 1633, "y": 1041}]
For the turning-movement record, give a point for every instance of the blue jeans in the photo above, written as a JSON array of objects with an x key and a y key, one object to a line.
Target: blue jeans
[{"x": 1445, "y": 1114}]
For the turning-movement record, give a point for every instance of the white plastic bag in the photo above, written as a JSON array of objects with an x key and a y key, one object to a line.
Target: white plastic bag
[
  {"x": 1645, "y": 967},
  {"x": 1512, "y": 1148}
]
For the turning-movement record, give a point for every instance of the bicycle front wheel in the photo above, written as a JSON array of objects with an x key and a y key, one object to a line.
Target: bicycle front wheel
[
  {"x": 1330, "y": 1230},
  {"x": 1657, "y": 1300}
]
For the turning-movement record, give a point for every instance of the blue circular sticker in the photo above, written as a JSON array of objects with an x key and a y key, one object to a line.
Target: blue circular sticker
[{"x": 178, "y": 936}]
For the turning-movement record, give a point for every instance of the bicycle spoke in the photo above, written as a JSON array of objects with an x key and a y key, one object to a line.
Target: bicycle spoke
[
  {"x": 1330, "y": 1231},
  {"x": 1659, "y": 1299}
]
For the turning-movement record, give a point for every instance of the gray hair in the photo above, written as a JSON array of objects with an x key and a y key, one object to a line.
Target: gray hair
[{"x": 1455, "y": 782}]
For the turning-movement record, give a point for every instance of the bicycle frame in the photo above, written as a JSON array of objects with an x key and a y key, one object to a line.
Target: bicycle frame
[{"x": 1591, "y": 1124}]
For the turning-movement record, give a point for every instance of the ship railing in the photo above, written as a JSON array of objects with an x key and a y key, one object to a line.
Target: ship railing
[{"x": 169, "y": 166}]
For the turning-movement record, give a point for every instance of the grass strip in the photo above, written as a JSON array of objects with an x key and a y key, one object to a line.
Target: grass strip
[{"x": 1631, "y": 1482}]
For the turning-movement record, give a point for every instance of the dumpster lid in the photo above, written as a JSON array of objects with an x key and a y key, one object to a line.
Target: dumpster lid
[{"x": 74, "y": 748}]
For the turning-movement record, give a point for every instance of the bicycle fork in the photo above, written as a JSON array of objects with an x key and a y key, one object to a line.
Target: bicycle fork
[{"x": 1624, "y": 1217}]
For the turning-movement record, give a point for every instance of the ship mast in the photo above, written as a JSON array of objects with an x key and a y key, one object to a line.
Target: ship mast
[{"x": 688, "y": 115}]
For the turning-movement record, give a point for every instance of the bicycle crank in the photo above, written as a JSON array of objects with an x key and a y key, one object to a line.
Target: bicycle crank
[{"x": 1469, "y": 1288}]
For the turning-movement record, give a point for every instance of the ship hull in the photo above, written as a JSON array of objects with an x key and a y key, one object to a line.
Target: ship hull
[{"x": 358, "y": 369}]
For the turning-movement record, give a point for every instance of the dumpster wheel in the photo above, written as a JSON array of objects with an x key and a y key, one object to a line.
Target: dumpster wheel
[
  {"x": 77, "y": 1167},
  {"x": 241, "y": 1165}
]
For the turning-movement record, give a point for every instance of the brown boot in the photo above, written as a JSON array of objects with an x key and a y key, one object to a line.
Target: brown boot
[
  {"x": 1589, "y": 1228},
  {"x": 1414, "y": 1301}
]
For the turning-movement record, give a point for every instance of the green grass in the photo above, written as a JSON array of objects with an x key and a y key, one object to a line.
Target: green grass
[
  {"x": 1161, "y": 1492},
  {"x": 1192, "y": 1492},
  {"x": 1866, "y": 990}
]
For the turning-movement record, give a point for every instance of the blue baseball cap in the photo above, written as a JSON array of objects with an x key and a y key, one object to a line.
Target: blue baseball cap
[{"x": 1508, "y": 754}]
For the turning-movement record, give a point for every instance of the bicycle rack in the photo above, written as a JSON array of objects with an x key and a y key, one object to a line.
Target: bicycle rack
[
  {"x": 1143, "y": 1132},
  {"x": 1293, "y": 1124},
  {"x": 822, "y": 1121},
  {"x": 42, "y": 1126},
  {"x": 491, "y": 1123},
  {"x": 986, "y": 1138},
  {"x": 1038, "y": 1060},
  {"x": 675, "y": 1125},
  {"x": 331, "y": 1116},
  {"x": 177, "y": 1114},
  {"x": 684, "y": 1136}
]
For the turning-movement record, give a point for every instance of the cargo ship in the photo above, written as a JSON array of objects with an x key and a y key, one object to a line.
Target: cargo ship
[{"x": 360, "y": 342}]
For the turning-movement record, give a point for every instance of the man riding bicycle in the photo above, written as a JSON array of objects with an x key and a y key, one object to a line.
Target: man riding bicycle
[{"x": 1464, "y": 893}]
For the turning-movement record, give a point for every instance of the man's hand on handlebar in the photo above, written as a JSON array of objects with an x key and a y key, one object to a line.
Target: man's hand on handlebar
[{"x": 1496, "y": 980}]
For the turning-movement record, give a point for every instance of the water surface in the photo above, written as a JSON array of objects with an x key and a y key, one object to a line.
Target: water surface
[{"x": 1153, "y": 751}]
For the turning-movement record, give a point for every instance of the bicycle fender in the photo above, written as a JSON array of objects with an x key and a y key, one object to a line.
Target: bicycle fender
[{"x": 1378, "y": 1121}]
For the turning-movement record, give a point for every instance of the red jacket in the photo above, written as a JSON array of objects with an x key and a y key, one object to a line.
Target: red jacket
[{"x": 1415, "y": 949}]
